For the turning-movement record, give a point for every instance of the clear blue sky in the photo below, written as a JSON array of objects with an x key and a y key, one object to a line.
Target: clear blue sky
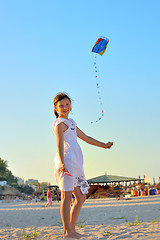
[{"x": 45, "y": 47}]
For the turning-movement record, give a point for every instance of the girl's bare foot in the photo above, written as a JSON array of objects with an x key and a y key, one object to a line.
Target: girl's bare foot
[
  {"x": 78, "y": 234},
  {"x": 71, "y": 235}
]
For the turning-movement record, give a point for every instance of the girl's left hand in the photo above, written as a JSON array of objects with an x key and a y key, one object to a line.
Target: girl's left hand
[
  {"x": 108, "y": 145},
  {"x": 65, "y": 171},
  {"x": 63, "y": 168}
]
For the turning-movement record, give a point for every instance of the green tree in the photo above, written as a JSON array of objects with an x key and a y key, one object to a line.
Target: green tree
[
  {"x": 3, "y": 169},
  {"x": 6, "y": 174},
  {"x": 44, "y": 185},
  {"x": 25, "y": 189},
  {"x": 33, "y": 183},
  {"x": 11, "y": 180}
]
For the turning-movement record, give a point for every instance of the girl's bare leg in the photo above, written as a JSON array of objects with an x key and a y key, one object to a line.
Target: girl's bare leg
[
  {"x": 79, "y": 200},
  {"x": 66, "y": 197}
]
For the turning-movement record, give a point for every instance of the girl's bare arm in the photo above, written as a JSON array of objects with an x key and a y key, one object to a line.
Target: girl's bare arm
[
  {"x": 92, "y": 141},
  {"x": 60, "y": 129}
]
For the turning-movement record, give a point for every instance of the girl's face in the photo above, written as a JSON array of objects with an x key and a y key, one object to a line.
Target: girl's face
[{"x": 63, "y": 107}]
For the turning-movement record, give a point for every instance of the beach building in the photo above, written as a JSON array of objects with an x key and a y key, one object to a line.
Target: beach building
[
  {"x": 8, "y": 192},
  {"x": 111, "y": 185},
  {"x": 3, "y": 183},
  {"x": 20, "y": 181},
  {"x": 112, "y": 179},
  {"x": 31, "y": 181}
]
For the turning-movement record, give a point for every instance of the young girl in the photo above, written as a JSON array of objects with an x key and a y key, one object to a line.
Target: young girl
[
  {"x": 49, "y": 198},
  {"x": 69, "y": 172}
]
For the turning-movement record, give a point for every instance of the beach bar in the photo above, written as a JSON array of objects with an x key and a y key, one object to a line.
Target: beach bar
[{"x": 111, "y": 185}]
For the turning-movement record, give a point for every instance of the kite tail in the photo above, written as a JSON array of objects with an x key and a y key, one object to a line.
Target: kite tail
[{"x": 98, "y": 91}]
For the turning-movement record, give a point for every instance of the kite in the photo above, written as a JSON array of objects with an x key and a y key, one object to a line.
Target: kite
[
  {"x": 99, "y": 48},
  {"x": 101, "y": 45}
]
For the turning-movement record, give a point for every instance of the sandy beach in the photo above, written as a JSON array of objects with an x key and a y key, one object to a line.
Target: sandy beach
[{"x": 136, "y": 218}]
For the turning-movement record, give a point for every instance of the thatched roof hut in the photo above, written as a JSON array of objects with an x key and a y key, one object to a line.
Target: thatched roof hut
[
  {"x": 114, "y": 188},
  {"x": 8, "y": 191},
  {"x": 111, "y": 179}
]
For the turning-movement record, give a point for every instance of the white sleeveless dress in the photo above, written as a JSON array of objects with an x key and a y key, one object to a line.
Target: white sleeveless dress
[{"x": 73, "y": 160}]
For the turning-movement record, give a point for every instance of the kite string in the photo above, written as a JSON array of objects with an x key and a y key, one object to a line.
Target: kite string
[{"x": 98, "y": 89}]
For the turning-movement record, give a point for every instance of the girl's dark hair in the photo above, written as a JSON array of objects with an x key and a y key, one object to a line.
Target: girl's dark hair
[{"x": 58, "y": 98}]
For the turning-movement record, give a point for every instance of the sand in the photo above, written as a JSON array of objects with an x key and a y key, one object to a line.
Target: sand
[{"x": 137, "y": 218}]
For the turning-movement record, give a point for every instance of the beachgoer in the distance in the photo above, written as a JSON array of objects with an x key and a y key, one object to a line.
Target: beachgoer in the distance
[
  {"x": 69, "y": 171},
  {"x": 57, "y": 194},
  {"x": 49, "y": 198}
]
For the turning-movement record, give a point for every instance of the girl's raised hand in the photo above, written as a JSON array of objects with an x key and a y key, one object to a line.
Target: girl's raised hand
[{"x": 109, "y": 145}]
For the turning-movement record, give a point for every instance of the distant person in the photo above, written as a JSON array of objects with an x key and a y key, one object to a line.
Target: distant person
[
  {"x": 69, "y": 171},
  {"x": 49, "y": 198},
  {"x": 57, "y": 192},
  {"x": 35, "y": 198},
  {"x": 29, "y": 198}
]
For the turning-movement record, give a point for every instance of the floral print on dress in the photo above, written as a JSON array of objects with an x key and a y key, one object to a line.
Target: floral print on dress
[{"x": 83, "y": 184}]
